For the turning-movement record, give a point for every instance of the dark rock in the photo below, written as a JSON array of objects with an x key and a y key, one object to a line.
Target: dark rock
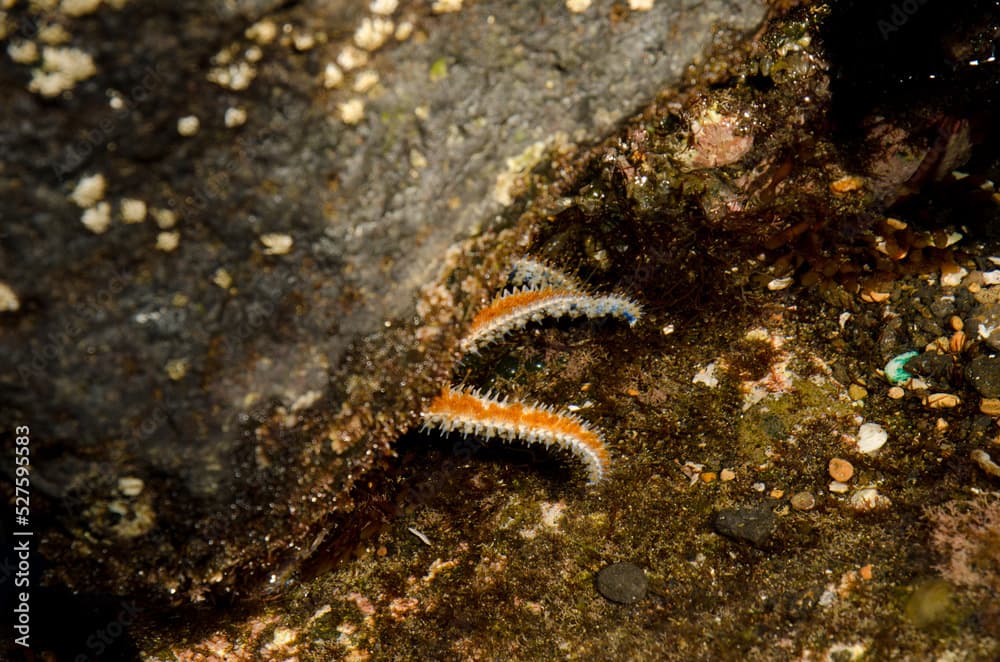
[
  {"x": 237, "y": 405},
  {"x": 983, "y": 373},
  {"x": 624, "y": 583},
  {"x": 932, "y": 365},
  {"x": 984, "y": 322},
  {"x": 755, "y": 525}
]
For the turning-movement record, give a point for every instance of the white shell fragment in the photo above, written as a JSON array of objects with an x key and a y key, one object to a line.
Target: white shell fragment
[
  {"x": 869, "y": 498},
  {"x": 871, "y": 437},
  {"x": 776, "y": 284},
  {"x": 276, "y": 243}
]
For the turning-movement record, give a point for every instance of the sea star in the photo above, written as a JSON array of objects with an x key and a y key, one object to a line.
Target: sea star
[{"x": 537, "y": 291}]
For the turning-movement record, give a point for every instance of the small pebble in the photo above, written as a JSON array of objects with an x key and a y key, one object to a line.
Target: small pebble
[
  {"x": 985, "y": 462},
  {"x": 952, "y": 275},
  {"x": 165, "y": 218},
  {"x": 167, "y": 241},
  {"x": 990, "y": 406},
  {"x": 276, "y": 243},
  {"x": 983, "y": 373},
  {"x": 188, "y": 125},
  {"x": 803, "y": 501},
  {"x": 130, "y": 486},
  {"x": 332, "y": 76},
  {"x": 89, "y": 190},
  {"x": 896, "y": 392},
  {"x": 8, "y": 298},
  {"x": 857, "y": 392},
  {"x": 727, "y": 475},
  {"x": 941, "y": 401},
  {"x": 234, "y": 117},
  {"x": 840, "y": 469},
  {"x": 871, "y": 437},
  {"x": 176, "y": 369},
  {"x": 624, "y": 583},
  {"x": 133, "y": 210},
  {"x": 754, "y": 525},
  {"x": 97, "y": 219},
  {"x": 838, "y": 488},
  {"x": 351, "y": 111}
]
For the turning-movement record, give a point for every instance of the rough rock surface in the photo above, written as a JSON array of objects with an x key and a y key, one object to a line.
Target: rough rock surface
[{"x": 247, "y": 346}]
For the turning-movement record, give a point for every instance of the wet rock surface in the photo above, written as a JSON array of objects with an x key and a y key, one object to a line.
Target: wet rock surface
[
  {"x": 983, "y": 373},
  {"x": 206, "y": 347}
]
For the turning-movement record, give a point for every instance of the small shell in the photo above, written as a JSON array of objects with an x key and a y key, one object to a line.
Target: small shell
[
  {"x": 990, "y": 406},
  {"x": 957, "y": 342},
  {"x": 871, "y": 296},
  {"x": 941, "y": 400}
]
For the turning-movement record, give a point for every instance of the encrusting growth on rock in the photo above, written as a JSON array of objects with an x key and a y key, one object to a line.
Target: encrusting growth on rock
[{"x": 538, "y": 291}]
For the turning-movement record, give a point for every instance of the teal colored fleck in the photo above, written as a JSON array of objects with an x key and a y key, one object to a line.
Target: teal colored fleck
[{"x": 895, "y": 371}]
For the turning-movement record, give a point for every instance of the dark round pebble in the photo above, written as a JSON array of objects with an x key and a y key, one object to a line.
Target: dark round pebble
[
  {"x": 624, "y": 583},
  {"x": 983, "y": 372},
  {"x": 754, "y": 525}
]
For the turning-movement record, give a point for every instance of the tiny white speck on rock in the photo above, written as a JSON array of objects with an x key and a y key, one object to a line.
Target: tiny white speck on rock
[
  {"x": 276, "y": 243},
  {"x": 332, "y": 76},
  {"x": 262, "y": 32},
  {"x": 130, "y": 486},
  {"x": 446, "y": 6},
  {"x": 165, "y": 218},
  {"x": 383, "y": 7},
  {"x": 640, "y": 5},
  {"x": 8, "y": 298},
  {"x": 303, "y": 41},
  {"x": 97, "y": 219},
  {"x": 176, "y": 369},
  {"x": 351, "y": 111},
  {"x": 89, "y": 190},
  {"x": 79, "y": 7},
  {"x": 222, "y": 278},
  {"x": 365, "y": 81},
  {"x": 373, "y": 32},
  {"x": 167, "y": 241},
  {"x": 22, "y": 52},
  {"x": 133, "y": 210},
  {"x": 61, "y": 70},
  {"x": 351, "y": 58},
  {"x": 235, "y": 117},
  {"x": 188, "y": 125}
]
